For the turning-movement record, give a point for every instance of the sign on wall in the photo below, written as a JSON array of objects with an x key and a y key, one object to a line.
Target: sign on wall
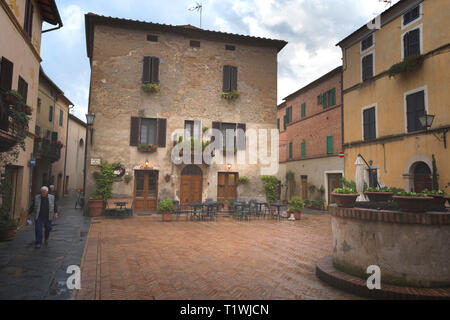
[{"x": 96, "y": 162}]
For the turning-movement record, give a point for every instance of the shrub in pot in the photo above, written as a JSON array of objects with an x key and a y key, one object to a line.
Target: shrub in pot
[
  {"x": 379, "y": 194},
  {"x": 438, "y": 203},
  {"x": 104, "y": 180},
  {"x": 412, "y": 202},
  {"x": 166, "y": 208},
  {"x": 345, "y": 197},
  {"x": 295, "y": 205}
]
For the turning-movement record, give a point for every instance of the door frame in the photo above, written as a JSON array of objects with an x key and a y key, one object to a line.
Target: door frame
[
  {"x": 325, "y": 179},
  {"x": 156, "y": 191},
  {"x": 181, "y": 182},
  {"x": 236, "y": 185}
]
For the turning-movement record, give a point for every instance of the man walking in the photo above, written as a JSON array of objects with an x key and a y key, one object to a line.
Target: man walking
[
  {"x": 53, "y": 192},
  {"x": 45, "y": 210}
]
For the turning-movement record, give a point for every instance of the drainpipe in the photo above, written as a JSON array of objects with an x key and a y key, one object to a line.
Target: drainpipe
[
  {"x": 65, "y": 156},
  {"x": 52, "y": 29}
]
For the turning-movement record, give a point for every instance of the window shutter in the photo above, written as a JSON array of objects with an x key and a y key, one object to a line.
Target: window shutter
[
  {"x": 285, "y": 121},
  {"x": 241, "y": 137},
  {"x": 30, "y": 21},
  {"x": 303, "y": 148},
  {"x": 303, "y": 110},
  {"x": 330, "y": 144},
  {"x": 146, "y": 76},
  {"x": 22, "y": 88},
  {"x": 367, "y": 67},
  {"x": 366, "y": 124},
  {"x": 413, "y": 42},
  {"x": 333, "y": 96},
  {"x": 278, "y": 123},
  {"x": 161, "y": 135},
  {"x": 290, "y": 151},
  {"x": 372, "y": 121},
  {"x": 50, "y": 115},
  {"x": 6, "y": 74},
  {"x": 154, "y": 70},
  {"x": 405, "y": 45},
  {"x": 217, "y": 126},
  {"x": 135, "y": 131},
  {"x": 324, "y": 100},
  {"x": 320, "y": 99},
  {"x": 226, "y": 79},
  {"x": 234, "y": 78}
]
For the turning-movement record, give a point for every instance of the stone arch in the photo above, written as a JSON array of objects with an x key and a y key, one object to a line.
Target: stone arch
[{"x": 411, "y": 164}]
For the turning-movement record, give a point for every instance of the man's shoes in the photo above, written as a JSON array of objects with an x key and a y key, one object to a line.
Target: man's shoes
[{"x": 38, "y": 246}]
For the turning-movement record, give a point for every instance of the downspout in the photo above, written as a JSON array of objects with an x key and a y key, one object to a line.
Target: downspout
[{"x": 65, "y": 157}]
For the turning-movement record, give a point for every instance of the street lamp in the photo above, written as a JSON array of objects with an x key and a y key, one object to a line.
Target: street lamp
[
  {"x": 426, "y": 120},
  {"x": 90, "y": 122}
]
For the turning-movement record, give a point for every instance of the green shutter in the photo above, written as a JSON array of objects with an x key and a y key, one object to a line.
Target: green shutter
[
  {"x": 333, "y": 96},
  {"x": 303, "y": 110},
  {"x": 50, "y": 115},
  {"x": 284, "y": 122},
  {"x": 320, "y": 98},
  {"x": 290, "y": 151},
  {"x": 278, "y": 123},
  {"x": 324, "y": 100},
  {"x": 330, "y": 145},
  {"x": 304, "y": 149}
]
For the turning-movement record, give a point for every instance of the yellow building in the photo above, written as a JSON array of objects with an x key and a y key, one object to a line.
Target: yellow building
[{"x": 383, "y": 111}]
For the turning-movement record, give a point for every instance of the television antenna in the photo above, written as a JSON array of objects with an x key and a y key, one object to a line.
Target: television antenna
[
  {"x": 198, "y": 7},
  {"x": 387, "y": 2}
]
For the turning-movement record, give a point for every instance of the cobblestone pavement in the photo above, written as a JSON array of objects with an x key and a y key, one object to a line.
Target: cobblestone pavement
[
  {"x": 37, "y": 274},
  {"x": 144, "y": 258}
]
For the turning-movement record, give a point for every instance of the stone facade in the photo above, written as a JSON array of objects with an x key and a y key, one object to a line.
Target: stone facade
[
  {"x": 190, "y": 81},
  {"x": 76, "y": 143},
  {"x": 312, "y": 128}
]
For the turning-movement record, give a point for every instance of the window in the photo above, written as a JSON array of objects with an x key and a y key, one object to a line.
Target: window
[
  {"x": 291, "y": 151},
  {"x": 303, "y": 110},
  {"x": 287, "y": 117},
  {"x": 328, "y": 98},
  {"x": 411, "y": 43},
  {"x": 278, "y": 124},
  {"x": 194, "y": 44},
  {"x": 303, "y": 148},
  {"x": 367, "y": 43},
  {"x": 37, "y": 130},
  {"x": 230, "y": 47},
  {"x": 22, "y": 88},
  {"x": 151, "y": 70},
  {"x": 6, "y": 74},
  {"x": 330, "y": 145},
  {"x": 28, "y": 23},
  {"x": 239, "y": 138},
  {"x": 229, "y": 78},
  {"x": 367, "y": 67},
  {"x": 47, "y": 134},
  {"x": 50, "y": 114},
  {"x": 411, "y": 15},
  {"x": 319, "y": 99},
  {"x": 415, "y": 107},
  {"x": 54, "y": 136},
  {"x": 192, "y": 129},
  {"x": 148, "y": 131},
  {"x": 39, "y": 105},
  {"x": 152, "y": 38},
  {"x": 61, "y": 117},
  {"x": 369, "y": 124}
]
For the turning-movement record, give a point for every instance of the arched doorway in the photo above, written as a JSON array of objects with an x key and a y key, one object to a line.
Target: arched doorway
[
  {"x": 422, "y": 176},
  {"x": 191, "y": 184}
]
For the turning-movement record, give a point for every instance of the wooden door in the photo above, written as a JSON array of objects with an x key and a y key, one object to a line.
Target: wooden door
[
  {"x": 334, "y": 181},
  {"x": 191, "y": 185},
  {"x": 422, "y": 177},
  {"x": 227, "y": 186},
  {"x": 304, "y": 187},
  {"x": 146, "y": 191}
]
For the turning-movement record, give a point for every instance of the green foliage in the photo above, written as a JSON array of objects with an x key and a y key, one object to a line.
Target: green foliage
[
  {"x": 150, "y": 87},
  {"x": 435, "y": 175},
  {"x": 349, "y": 184},
  {"x": 191, "y": 144},
  {"x": 344, "y": 191},
  {"x": 205, "y": 129},
  {"x": 290, "y": 176},
  {"x": 148, "y": 146},
  {"x": 165, "y": 206},
  {"x": 244, "y": 180},
  {"x": 232, "y": 95},
  {"x": 408, "y": 64},
  {"x": 295, "y": 204},
  {"x": 321, "y": 189},
  {"x": 6, "y": 220},
  {"x": 105, "y": 180},
  {"x": 318, "y": 203},
  {"x": 385, "y": 189},
  {"x": 434, "y": 192},
  {"x": 410, "y": 194},
  {"x": 311, "y": 187},
  {"x": 270, "y": 187}
]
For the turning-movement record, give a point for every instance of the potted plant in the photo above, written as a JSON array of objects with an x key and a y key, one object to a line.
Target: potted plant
[
  {"x": 104, "y": 180},
  {"x": 379, "y": 194},
  {"x": 243, "y": 180},
  {"x": 321, "y": 189},
  {"x": 307, "y": 203},
  {"x": 151, "y": 87},
  {"x": 345, "y": 197},
  {"x": 147, "y": 148},
  {"x": 127, "y": 178},
  {"x": 412, "y": 202},
  {"x": 167, "y": 177},
  {"x": 166, "y": 208},
  {"x": 312, "y": 188},
  {"x": 232, "y": 95},
  {"x": 12, "y": 97},
  {"x": 438, "y": 203},
  {"x": 28, "y": 110},
  {"x": 295, "y": 206},
  {"x": 319, "y": 205}
]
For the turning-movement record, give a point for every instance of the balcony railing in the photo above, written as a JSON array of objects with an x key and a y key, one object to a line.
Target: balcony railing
[
  {"x": 46, "y": 150},
  {"x": 8, "y": 130}
]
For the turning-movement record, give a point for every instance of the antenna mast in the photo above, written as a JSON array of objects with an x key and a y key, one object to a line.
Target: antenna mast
[{"x": 198, "y": 7}]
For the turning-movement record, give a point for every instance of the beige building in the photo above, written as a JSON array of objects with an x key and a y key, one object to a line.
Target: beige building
[
  {"x": 192, "y": 68},
  {"x": 51, "y": 135},
  {"x": 76, "y": 143},
  {"x": 20, "y": 38}
]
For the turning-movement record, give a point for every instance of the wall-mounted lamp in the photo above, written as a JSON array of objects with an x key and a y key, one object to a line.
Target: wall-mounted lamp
[
  {"x": 90, "y": 123},
  {"x": 229, "y": 167},
  {"x": 426, "y": 121}
]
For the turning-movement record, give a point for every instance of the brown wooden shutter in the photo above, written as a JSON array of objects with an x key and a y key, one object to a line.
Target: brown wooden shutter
[
  {"x": 135, "y": 131},
  {"x": 217, "y": 126},
  {"x": 6, "y": 74},
  {"x": 226, "y": 79},
  {"x": 161, "y": 127},
  {"x": 241, "y": 138},
  {"x": 155, "y": 70},
  {"x": 28, "y": 22},
  {"x": 22, "y": 88},
  {"x": 233, "y": 82},
  {"x": 146, "y": 75}
]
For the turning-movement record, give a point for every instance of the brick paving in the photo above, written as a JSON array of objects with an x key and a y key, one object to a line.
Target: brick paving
[{"x": 144, "y": 258}]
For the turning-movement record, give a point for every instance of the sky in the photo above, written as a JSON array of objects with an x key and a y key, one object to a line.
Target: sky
[{"x": 312, "y": 28}]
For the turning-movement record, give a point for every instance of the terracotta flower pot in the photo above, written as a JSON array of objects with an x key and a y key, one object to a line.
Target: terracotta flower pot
[
  {"x": 167, "y": 216},
  {"x": 438, "y": 203},
  {"x": 11, "y": 99},
  {"x": 28, "y": 111},
  {"x": 297, "y": 214},
  {"x": 95, "y": 208},
  {"x": 379, "y": 196},
  {"x": 8, "y": 234},
  {"x": 413, "y": 204},
  {"x": 148, "y": 150},
  {"x": 345, "y": 200}
]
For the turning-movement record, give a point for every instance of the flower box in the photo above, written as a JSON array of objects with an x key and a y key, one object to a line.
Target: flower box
[
  {"x": 413, "y": 204},
  {"x": 379, "y": 196},
  {"x": 28, "y": 110},
  {"x": 438, "y": 202},
  {"x": 345, "y": 200}
]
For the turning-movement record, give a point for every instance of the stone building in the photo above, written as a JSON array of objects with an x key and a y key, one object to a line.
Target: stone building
[
  {"x": 20, "y": 42},
  {"x": 51, "y": 135},
  {"x": 310, "y": 124},
  {"x": 76, "y": 142},
  {"x": 192, "y": 68},
  {"x": 384, "y": 104}
]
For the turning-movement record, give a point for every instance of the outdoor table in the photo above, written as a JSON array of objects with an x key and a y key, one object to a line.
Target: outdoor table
[
  {"x": 210, "y": 208},
  {"x": 278, "y": 205},
  {"x": 260, "y": 205}
]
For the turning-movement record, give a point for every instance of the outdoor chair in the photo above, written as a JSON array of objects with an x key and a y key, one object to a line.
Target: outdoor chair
[{"x": 197, "y": 211}]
